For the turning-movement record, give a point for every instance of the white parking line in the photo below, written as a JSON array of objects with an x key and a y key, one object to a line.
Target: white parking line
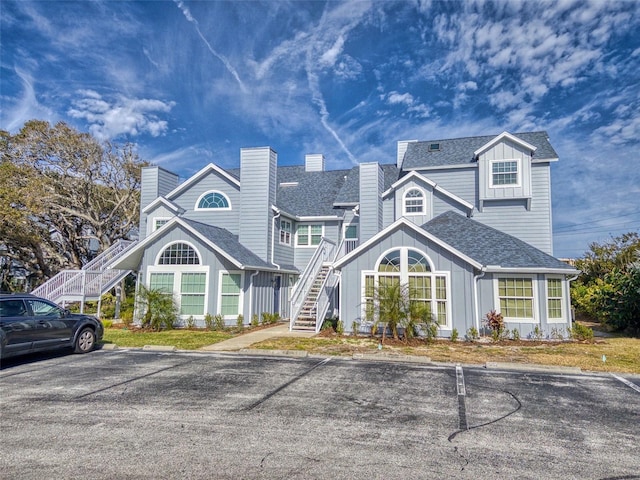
[
  {"x": 626, "y": 382},
  {"x": 460, "y": 380}
]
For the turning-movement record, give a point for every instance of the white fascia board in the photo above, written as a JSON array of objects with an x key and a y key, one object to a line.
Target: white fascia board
[
  {"x": 417, "y": 176},
  {"x": 194, "y": 178},
  {"x": 210, "y": 243},
  {"x": 413, "y": 175},
  {"x": 318, "y": 218},
  {"x": 395, "y": 226},
  {"x": 499, "y": 138},
  {"x": 544, "y": 160},
  {"x": 136, "y": 252},
  {"x": 555, "y": 271},
  {"x": 167, "y": 203}
]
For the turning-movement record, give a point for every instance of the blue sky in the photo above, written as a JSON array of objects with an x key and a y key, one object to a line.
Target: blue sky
[{"x": 193, "y": 82}]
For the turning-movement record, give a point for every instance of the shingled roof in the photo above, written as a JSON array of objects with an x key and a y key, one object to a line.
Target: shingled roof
[
  {"x": 308, "y": 194},
  {"x": 349, "y": 194},
  {"x": 459, "y": 151},
  {"x": 488, "y": 246}
]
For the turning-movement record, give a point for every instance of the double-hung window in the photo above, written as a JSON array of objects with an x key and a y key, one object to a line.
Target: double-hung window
[
  {"x": 285, "y": 232},
  {"x": 414, "y": 202},
  {"x": 505, "y": 173},
  {"x": 308, "y": 235},
  {"x": 230, "y": 294},
  {"x": 554, "y": 299},
  {"x": 516, "y": 298}
]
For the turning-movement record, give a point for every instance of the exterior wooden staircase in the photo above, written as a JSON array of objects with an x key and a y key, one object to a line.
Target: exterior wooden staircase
[{"x": 307, "y": 319}]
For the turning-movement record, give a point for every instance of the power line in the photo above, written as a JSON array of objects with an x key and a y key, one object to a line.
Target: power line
[{"x": 568, "y": 227}]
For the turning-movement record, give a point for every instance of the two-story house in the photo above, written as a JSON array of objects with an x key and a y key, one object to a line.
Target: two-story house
[{"x": 465, "y": 222}]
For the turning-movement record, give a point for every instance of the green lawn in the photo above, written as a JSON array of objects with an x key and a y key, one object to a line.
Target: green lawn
[{"x": 181, "y": 339}]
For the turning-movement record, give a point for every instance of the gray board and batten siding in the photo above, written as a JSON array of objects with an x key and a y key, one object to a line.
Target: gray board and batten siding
[{"x": 460, "y": 279}]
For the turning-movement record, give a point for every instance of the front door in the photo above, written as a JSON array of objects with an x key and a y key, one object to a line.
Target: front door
[{"x": 277, "y": 280}]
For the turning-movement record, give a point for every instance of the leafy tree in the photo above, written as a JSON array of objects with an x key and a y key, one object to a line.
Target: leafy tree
[
  {"x": 609, "y": 287},
  {"x": 64, "y": 197}
]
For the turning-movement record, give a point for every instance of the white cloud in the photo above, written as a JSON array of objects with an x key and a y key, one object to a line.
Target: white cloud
[{"x": 110, "y": 118}]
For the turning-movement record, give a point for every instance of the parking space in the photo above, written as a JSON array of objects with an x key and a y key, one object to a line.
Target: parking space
[{"x": 134, "y": 414}]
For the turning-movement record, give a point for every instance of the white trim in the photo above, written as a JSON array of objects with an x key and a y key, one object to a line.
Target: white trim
[
  {"x": 395, "y": 226},
  {"x": 163, "y": 201},
  {"x": 177, "y": 271},
  {"x": 535, "y": 300},
  {"x": 502, "y": 136},
  {"x": 423, "y": 209},
  {"x": 291, "y": 233},
  {"x": 200, "y": 174},
  {"x": 154, "y": 221},
  {"x": 404, "y": 275},
  {"x": 415, "y": 175},
  {"x": 518, "y": 183},
  {"x": 297, "y": 245},
  {"x": 240, "y": 295},
  {"x": 212, "y": 209},
  {"x": 174, "y": 242},
  {"x": 563, "y": 301},
  {"x": 530, "y": 270}
]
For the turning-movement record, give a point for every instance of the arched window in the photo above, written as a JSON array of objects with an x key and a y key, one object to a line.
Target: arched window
[
  {"x": 412, "y": 270},
  {"x": 179, "y": 254},
  {"x": 213, "y": 200},
  {"x": 414, "y": 202}
]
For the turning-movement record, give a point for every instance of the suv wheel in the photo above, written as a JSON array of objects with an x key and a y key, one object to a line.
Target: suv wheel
[{"x": 85, "y": 341}]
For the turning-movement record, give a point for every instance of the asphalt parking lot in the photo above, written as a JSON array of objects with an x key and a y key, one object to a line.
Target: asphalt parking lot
[{"x": 152, "y": 415}]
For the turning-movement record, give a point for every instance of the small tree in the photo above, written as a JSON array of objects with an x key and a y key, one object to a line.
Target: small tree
[
  {"x": 495, "y": 322},
  {"x": 159, "y": 307}
]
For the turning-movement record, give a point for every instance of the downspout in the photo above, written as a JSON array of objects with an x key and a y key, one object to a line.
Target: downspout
[
  {"x": 273, "y": 235},
  {"x": 569, "y": 280},
  {"x": 476, "y": 305}
]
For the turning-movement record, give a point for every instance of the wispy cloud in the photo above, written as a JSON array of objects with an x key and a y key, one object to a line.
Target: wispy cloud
[{"x": 187, "y": 13}]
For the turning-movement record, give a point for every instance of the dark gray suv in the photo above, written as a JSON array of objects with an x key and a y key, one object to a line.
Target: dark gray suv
[{"x": 31, "y": 324}]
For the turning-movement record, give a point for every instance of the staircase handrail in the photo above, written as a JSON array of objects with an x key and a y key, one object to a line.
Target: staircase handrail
[
  {"x": 321, "y": 305},
  {"x": 324, "y": 251},
  {"x": 56, "y": 285},
  {"x": 110, "y": 254}
]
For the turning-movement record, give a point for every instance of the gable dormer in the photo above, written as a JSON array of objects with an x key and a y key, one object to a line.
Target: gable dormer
[{"x": 504, "y": 165}]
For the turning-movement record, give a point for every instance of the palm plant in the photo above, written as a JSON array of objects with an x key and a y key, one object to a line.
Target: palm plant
[{"x": 159, "y": 307}]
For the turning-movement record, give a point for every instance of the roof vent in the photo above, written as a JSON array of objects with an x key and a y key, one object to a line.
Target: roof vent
[
  {"x": 434, "y": 147},
  {"x": 288, "y": 184}
]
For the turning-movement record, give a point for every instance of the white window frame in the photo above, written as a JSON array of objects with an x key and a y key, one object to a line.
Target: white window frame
[
  {"x": 177, "y": 271},
  {"x": 404, "y": 274},
  {"x": 423, "y": 209},
  {"x": 240, "y": 295},
  {"x": 282, "y": 231},
  {"x": 216, "y": 209},
  {"x": 563, "y": 299},
  {"x": 167, "y": 245},
  {"x": 534, "y": 303},
  {"x": 518, "y": 163},
  {"x": 155, "y": 220},
  {"x": 308, "y": 225}
]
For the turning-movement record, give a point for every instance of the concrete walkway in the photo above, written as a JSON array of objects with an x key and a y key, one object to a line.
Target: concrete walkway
[{"x": 248, "y": 339}]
